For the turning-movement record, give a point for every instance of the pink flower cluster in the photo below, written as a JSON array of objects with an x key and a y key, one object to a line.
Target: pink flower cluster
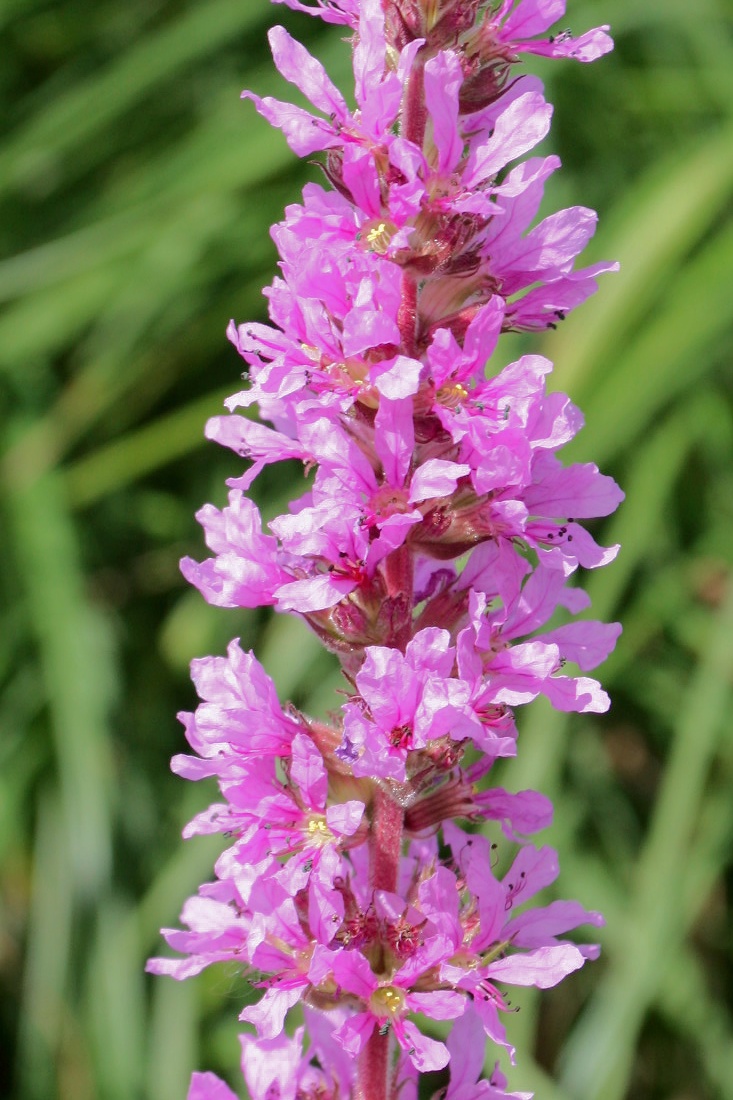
[{"x": 433, "y": 552}]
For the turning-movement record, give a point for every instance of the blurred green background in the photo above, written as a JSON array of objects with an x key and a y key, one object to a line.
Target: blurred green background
[{"x": 136, "y": 194}]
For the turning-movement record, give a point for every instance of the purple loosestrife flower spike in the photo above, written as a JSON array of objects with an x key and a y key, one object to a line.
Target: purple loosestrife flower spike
[{"x": 432, "y": 551}]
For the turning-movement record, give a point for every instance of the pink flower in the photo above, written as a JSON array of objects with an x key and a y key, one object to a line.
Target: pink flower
[
  {"x": 431, "y": 548},
  {"x": 488, "y": 933},
  {"x": 245, "y": 571},
  {"x": 387, "y": 1002},
  {"x": 290, "y": 822},
  {"x": 466, "y": 1044},
  {"x": 238, "y": 720},
  {"x": 404, "y": 702},
  {"x": 280, "y": 1069}
]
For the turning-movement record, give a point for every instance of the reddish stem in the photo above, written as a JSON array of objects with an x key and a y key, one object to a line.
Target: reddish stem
[
  {"x": 385, "y": 838},
  {"x": 372, "y": 1075},
  {"x": 385, "y": 841},
  {"x": 385, "y": 849},
  {"x": 407, "y": 315},
  {"x": 398, "y": 571}
]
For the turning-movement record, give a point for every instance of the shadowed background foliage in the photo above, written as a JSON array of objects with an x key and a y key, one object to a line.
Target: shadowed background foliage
[{"x": 136, "y": 194}]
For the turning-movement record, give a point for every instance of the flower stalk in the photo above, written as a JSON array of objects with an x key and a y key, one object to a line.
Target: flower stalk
[
  {"x": 433, "y": 553},
  {"x": 373, "y": 1071},
  {"x": 385, "y": 841}
]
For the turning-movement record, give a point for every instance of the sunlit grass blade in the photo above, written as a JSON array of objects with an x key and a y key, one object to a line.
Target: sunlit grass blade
[
  {"x": 545, "y": 732},
  {"x": 172, "y": 1040},
  {"x": 115, "y": 1003},
  {"x": 669, "y": 355},
  {"x": 650, "y": 230},
  {"x": 78, "y": 672},
  {"x": 600, "y": 1050},
  {"x": 686, "y": 1002},
  {"x": 76, "y": 117},
  {"x": 139, "y": 452},
  {"x": 45, "y": 1016}
]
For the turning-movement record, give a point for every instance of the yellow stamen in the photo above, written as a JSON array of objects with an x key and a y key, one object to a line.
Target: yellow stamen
[
  {"x": 452, "y": 395},
  {"x": 388, "y": 1000},
  {"x": 378, "y": 237},
  {"x": 318, "y": 831}
]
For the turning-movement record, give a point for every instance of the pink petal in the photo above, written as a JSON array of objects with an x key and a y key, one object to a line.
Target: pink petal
[
  {"x": 344, "y": 818},
  {"x": 580, "y": 693},
  {"x": 352, "y": 972},
  {"x": 586, "y": 643},
  {"x": 369, "y": 53},
  {"x": 314, "y": 594},
  {"x": 207, "y": 1086},
  {"x": 394, "y": 439},
  {"x": 580, "y": 491},
  {"x": 270, "y": 1066},
  {"x": 308, "y": 771},
  {"x": 397, "y": 378},
  {"x": 538, "y": 927},
  {"x": 443, "y": 79},
  {"x": 354, "y": 1033},
  {"x": 427, "y": 1055},
  {"x": 306, "y": 73},
  {"x": 518, "y": 129},
  {"x": 439, "y": 1004},
  {"x": 304, "y": 132},
  {"x": 544, "y": 967},
  {"x": 586, "y": 47},
  {"x": 531, "y": 17},
  {"x": 325, "y": 910},
  {"x": 437, "y": 477},
  {"x": 268, "y": 1015}
]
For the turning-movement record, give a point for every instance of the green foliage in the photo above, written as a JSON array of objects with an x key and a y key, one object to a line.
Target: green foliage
[{"x": 136, "y": 193}]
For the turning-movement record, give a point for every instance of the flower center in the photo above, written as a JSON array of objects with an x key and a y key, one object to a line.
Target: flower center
[
  {"x": 388, "y": 1000},
  {"x": 378, "y": 236},
  {"x": 400, "y": 737},
  {"x": 452, "y": 395},
  {"x": 388, "y": 501},
  {"x": 318, "y": 832}
]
